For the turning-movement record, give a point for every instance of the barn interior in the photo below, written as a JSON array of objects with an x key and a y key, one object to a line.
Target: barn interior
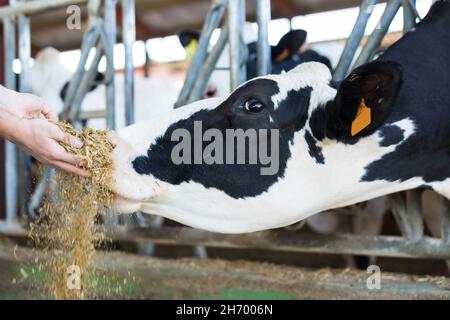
[{"x": 148, "y": 257}]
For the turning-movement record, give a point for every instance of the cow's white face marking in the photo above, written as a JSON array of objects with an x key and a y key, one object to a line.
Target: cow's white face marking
[{"x": 318, "y": 173}]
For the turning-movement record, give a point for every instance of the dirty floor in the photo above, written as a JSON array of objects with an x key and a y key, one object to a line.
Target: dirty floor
[{"x": 128, "y": 276}]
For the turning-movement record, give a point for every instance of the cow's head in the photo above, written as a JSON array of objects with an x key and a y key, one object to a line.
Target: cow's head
[
  {"x": 307, "y": 159},
  {"x": 50, "y": 79}
]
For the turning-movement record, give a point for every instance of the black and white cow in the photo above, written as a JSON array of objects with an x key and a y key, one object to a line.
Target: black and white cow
[{"x": 321, "y": 164}]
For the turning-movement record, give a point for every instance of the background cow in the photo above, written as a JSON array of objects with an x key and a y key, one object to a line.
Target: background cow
[
  {"x": 286, "y": 55},
  {"x": 49, "y": 79}
]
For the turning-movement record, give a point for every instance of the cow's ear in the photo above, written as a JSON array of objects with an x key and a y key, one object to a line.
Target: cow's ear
[
  {"x": 186, "y": 37},
  {"x": 364, "y": 100},
  {"x": 288, "y": 45}
]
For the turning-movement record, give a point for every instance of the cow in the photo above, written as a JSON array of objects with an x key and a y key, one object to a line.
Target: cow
[
  {"x": 49, "y": 79},
  {"x": 323, "y": 163},
  {"x": 284, "y": 56}
]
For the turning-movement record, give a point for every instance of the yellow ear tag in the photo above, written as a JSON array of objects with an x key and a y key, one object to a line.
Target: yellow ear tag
[
  {"x": 362, "y": 119},
  {"x": 190, "y": 49}
]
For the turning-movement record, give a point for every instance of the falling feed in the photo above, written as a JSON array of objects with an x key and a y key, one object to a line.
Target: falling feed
[{"x": 68, "y": 226}]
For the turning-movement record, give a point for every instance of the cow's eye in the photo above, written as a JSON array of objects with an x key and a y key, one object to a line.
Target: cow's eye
[{"x": 253, "y": 106}]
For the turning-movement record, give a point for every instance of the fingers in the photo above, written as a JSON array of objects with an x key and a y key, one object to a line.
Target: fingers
[
  {"x": 35, "y": 106},
  {"x": 58, "y": 153},
  {"x": 45, "y": 109},
  {"x": 48, "y": 114},
  {"x": 66, "y": 161},
  {"x": 70, "y": 168},
  {"x": 61, "y": 136}
]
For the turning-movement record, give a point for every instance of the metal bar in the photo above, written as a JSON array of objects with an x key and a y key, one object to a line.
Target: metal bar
[
  {"x": 243, "y": 49},
  {"x": 414, "y": 211},
  {"x": 11, "y": 183},
  {"x": 365, "y": 11},
  {"x": 39, "y": 191},
  {"x": 409, "y": 14},
  {"x": 398, "y": 207},
  {"x": 383, "y": 246},
  {"x": 109, "y": 31},
  {"x": 37, "y": 6},
  {"x": 406, "y": 208},
  {"x": 264, "y": 50},
  {"x": 12, "y": 230},
  {"x": 24, "y": 164},
  {"x": 387, "y": 246},
  {"x": 86, "y": 115},
  {"x": 234, "y": 35},
  {"x": 212, "y": 21},
  {"x": 445, "y": 221},
  {"x": 89, "y": 40},
  {"x": 85, "y": 83},
  {"x": 208, "y": 67},
  {"x": 129, "y": 37},
  {"x": 377, "y": 35}
]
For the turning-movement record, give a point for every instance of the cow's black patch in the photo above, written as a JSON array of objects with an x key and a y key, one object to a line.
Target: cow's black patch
[
  {"x": 292, "y": 111},
  {"x": 424, "y": 99},
  {"x": 318, "y": 119},
  {"x": 314, "y": 150},
  {"x": 391, "y": 135},
  {"x": 236, "y": 180}
]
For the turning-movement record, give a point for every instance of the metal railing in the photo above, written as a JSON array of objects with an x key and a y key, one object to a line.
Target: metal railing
[{"x": 99, "y": 36}]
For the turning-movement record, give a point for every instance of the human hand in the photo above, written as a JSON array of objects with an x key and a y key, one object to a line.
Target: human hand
[
  {"x": 24, "y": 121},
  {"x": 24, "y": 105}
]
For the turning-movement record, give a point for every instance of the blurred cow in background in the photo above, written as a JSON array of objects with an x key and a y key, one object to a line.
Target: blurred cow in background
[
  {"x": 49, "y": 79},
  {"x": 285, "y": 56}
]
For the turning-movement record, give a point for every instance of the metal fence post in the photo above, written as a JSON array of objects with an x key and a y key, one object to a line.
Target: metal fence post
[
  {"x": 377, "y": 35},
  {"x": 87, "y": 79},
  {"x": 207, "y": 68},
  {"x": 128, "y": 38},
  {"x": 235, "y": 26},
  {"x": 243, "y": 49},
  {"x": 445, "y": 221},
  {"x": 109, "y": 30},
  {"x": 264, "y": 51},
  {"x": 352, "y": 43},
  {"x": 11, "y": 183},
  {"x": 410, "y": 14},
  {"x": 406, "y": 208},
  {"x": 24, "y": 163},
  {"x": 212, "y": 21},
  {"x": 89, "y": 39}
]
